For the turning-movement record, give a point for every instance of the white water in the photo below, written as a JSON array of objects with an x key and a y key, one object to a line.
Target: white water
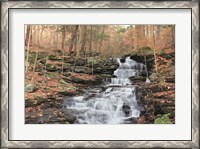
[{"x": 116, "y": 104}]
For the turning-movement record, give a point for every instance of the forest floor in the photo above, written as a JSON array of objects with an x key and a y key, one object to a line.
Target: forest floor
[{"x": 54, "y": 77}]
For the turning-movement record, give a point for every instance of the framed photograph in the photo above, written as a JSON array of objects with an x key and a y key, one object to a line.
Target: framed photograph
[{"x": 99, "y": 74}]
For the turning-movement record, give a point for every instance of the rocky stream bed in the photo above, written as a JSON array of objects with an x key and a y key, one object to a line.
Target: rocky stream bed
[{"x": 53, "y": 84}]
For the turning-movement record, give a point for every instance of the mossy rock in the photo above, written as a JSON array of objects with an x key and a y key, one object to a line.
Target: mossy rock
[
  {"x": 51, "y": 67},
  {"x": 40, "y": 99},
  {"x": 30, "y": 88},
  {"x": 92, "y": 61},
  {"x": 80, "y": 69},
  {"x": 68, "y": 59},
  {"x": 52, "y": 74},
  {"x": 80, "y": 62},
  {"x": 104, "y": 76},
  {"x": 54, "y": 58},
  {"x": 31, "y": 102},
  {"x": 32, "y": 56}
]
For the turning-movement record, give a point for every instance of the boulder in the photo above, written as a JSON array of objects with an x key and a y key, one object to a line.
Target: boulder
[
  {"x": 126, "y": 109},
  {"x": 67, "y": 93},
  {"x": 54, "y": 58},
  {"x": 122, "y": 60},
  {"x": 81, "y": 69},
  {"x": 68, "y": 59},
  {"x": 66, "y": 67},
  {"x": 81, "y": 62},
  {"x": 70, "y": 117},
  {"x": 51, "y": 67},
  {"x": 31, "y": 102},
  {"x": 138, "y": 78},
  {"x": 30, "y": 88}
]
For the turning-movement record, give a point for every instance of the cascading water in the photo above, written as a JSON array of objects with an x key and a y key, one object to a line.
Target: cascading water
[{"x": 114, "y": 104}]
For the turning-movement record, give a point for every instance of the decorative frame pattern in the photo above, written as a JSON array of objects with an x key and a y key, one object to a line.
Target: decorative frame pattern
[{"x": 194, "y": 143}]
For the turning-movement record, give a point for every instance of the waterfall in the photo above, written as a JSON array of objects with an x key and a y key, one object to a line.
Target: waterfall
[{"x": 114, "y": 104}]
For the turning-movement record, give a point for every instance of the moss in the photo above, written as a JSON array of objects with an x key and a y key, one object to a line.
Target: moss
[
  {"x": 163, "y": 120},
  {"x": 92, "y": 61},
  {"x": 32, "y": 56}
]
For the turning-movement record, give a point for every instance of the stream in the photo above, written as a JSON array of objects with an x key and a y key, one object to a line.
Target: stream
[{"x": 113, "y": 103}]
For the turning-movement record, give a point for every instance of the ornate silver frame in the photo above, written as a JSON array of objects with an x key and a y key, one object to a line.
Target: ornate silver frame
[{"x": 5, "y": 143}]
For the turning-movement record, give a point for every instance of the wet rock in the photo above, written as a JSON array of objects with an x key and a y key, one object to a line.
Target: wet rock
[
  {"x": 140, "y": 59},
  {"x": 89, "y": 96},
  {"x": 105, "y": 76},
  {"x": 67, "y": 93},
  {"x": 70, "y": 117},
  {"x": 105, "y": 69},
  {"x": 106, "y": 66},
  {"x": 122, "y": 60},
  {"x": 138, "y": 78},
  {"x": 126, "y": 109}
]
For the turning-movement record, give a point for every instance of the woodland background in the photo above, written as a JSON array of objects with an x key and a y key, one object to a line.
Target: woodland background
[{"x": 60, "y": 60}]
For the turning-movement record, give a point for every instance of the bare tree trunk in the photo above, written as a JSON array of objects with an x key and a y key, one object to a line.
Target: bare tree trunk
[
  {"x": 132, "y": 39},
  {"x": 63, "y": 38},
  {"x": 83, "y": 46},
  {"x": 28, "y": 48},
  {"x": 146, "y": 34},
  {"x": 34, "y": 65},
  {"x": 90, "y": 47},
  {"x": 54, "y": 37},
  {"x": 173, "y": 35},
  {"x": 100, "y": 43},
  {"x": 41, "y": 34},
  {"x": 137, "y": 31},
  {"x": 75, "y": 45},
  {"x": 154, "y": 50},
  {"x": 73, "y": 39},
  {"x": 38, "y": 35},
  {"x": 63, "y": 47},
  {"x": 34, "y": 34},
  {"x": 28, "y": 31}
]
